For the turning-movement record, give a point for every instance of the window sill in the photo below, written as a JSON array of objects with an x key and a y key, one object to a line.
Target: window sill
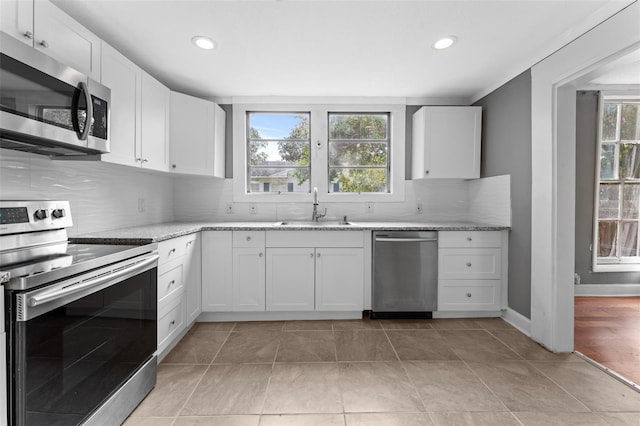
[{"x": 618, "y": 267}]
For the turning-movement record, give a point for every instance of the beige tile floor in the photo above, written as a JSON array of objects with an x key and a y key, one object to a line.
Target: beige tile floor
[{"x": 368, "y": 373}]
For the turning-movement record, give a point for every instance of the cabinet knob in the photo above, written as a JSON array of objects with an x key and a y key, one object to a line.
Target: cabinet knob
[
  {"x": 172, "y": 282},
  {"x": 318, "y": 255},
  {"x": 144, "y": 160},
  {"x": 468, "y": 294},
  {"x": 469, "y": 264},
  {"x": 311, "y": 254},
  {"x": 426, "y": 172},
  {"x": 44, "y": 44},
  {"x": 248, "y": 238},
  {"x": 29, "y": 35},
  {"x": 172, "y": 323},
  {"x": 173, "y": 250},
  {"x": 469, "y": 239},
  {"x": 261, "y": 254},
  {"x": 173, "y": 166}
]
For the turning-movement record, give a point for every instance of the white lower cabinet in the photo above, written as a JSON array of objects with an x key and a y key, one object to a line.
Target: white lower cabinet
[
  {"x": 282, "y": 271},
  {"x": 290, "y": 279},
  {"x": 472, "y": 271},
  {"x": 339, "y": 279},
  {"x": 179, "y": 288}
]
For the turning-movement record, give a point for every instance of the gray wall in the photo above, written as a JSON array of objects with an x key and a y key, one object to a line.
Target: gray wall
[
  {"x": 506, "y": 149},
  {"x": 586, "y": 142}
]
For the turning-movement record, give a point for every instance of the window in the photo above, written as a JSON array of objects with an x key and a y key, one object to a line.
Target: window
[
  {"x": 278, "y": 146},
  {"x": 350, "y": 153},
  {"x": 618, "y": 185},
  {"x": 358, "y": 152}
]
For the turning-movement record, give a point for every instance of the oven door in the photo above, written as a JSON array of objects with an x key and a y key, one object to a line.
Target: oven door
[{"x": 74, "y": 343}]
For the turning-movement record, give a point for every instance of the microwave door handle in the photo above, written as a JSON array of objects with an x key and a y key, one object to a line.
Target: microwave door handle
[{"x": 87, "y": 125}]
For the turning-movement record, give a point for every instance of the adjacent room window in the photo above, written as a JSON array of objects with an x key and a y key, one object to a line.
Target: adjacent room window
[
  {"x": 278, "y": 146},
  {"x": 359, "y": 152},
  {"x": 349, "y": 152},
  {"x": 618, "y": 185}
]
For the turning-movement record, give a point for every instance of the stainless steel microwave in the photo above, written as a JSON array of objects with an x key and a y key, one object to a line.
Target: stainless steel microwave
[{"x": 49, "y": 108}]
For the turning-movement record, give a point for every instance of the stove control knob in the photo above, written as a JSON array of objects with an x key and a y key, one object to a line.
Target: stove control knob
[
  {"x": 58, "y": 213},
  {"x": 41, "y": 214}
]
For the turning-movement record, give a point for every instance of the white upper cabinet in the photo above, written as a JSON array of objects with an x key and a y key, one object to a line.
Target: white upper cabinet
[
  {"x": 446, "y": 143},
  {"x": 44, "y": 26},
  {"x": 124, "y": 78},
  {"x": 154, "y": 112},
  {"x": 197, "y": 136}
]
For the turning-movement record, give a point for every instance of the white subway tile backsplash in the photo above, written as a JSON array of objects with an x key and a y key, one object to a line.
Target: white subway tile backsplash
[{"x": 103, "y": 196}]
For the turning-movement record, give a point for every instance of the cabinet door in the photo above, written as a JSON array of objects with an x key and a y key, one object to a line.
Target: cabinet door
[
  {"x": 59, "y": 36},
  {"x": 124, "y": 78},
  {"x": 217, "y": 271},
  {"x": 192, "y": 135},
  {"x": 290, "y": 279},
  {"x": 192, "y": 273},
  {"x": 248, "y": 279},
  {"x": 339, "y": 279},
  {"x": 16, "y": 19},
  {"x": 446, "y": 142},
  {"x": 154, "y": 122}
]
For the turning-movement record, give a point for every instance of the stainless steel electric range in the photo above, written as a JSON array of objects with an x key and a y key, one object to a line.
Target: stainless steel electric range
[{"x": 80, "y": 320}]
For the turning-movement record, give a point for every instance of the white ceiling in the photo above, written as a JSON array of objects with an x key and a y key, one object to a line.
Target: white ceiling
[{"x": 338, "y": 48}]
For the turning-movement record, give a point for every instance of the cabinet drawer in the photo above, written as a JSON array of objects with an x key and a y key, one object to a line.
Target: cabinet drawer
[
  {"x": 460, "y": 295},
  {"x": 248, "y": 238},
  {"x": 171, "y": 323},
  {"x": 469, "y": 263},
  {"x": 315, "y": 239},
  {"x": 175, "y": 248},
  {"x": 170, "y": 283},
  {"x": 469, "y": 239}
]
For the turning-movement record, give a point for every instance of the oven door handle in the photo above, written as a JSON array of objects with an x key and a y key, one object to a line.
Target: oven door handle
[{"x": 46, "y": 297}]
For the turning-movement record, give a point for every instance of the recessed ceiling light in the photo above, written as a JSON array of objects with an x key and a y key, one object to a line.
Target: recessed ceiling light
[
  {"x": 203, "y": 42},
  {"x": 445, "y": 42}
]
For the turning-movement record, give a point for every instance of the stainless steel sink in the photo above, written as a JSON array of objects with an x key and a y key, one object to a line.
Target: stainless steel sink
[{"x": 308, "y": 223}]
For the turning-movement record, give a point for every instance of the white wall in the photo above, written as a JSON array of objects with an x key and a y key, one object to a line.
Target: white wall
[{"x": 103, "y": 196}]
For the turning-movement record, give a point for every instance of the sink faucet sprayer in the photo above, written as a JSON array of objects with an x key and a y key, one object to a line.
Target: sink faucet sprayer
[{"x": 315, "y": 215}]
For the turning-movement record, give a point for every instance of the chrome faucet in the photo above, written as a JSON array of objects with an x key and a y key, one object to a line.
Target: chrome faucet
[{"x": 315, "y": 215}]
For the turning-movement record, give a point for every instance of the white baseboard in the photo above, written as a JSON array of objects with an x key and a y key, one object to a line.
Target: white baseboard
[
  {"x": 518, "y": 320},
  {"x": 607, "y": 290},
  {"x": 277, "y": 316}
]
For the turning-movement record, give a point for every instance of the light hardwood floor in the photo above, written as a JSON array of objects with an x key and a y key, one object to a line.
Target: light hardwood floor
[
  {"x": 388, "y": 372},
  {"x": 607, "y": 330}
]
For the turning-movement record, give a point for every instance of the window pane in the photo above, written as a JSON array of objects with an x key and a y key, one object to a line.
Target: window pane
[
  {"x": 357, "y": 154},
  {"x": 278, "y": 153},
  {"x": 629, "y": 239},
  {"x": 280, "y": 180},
  {"x": 609, "y": 122},
  {"x": 609, "y": 198},
  {"x": 358, "y": 180},
  {"x": 607, "y": 233},
  {"x": 608, "y": 161},
  {"x": 276, "y": 125},
  {"x": 630, "y": 122},
  {"x": 358, "y": 126},
  {"x": 629, "y": 161},
  {"x": 630, "y": 201}
]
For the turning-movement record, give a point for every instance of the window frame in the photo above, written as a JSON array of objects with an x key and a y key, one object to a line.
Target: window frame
[
  {"x": 619, "y": 263},
  {"x": 319, "y": 160}
]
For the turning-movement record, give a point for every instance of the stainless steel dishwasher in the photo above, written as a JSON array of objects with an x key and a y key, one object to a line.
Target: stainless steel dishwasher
[{"x": 405, "y": 274}]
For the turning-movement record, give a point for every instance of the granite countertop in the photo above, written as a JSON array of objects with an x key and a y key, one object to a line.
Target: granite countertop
[{"x": 164, "y": 231}]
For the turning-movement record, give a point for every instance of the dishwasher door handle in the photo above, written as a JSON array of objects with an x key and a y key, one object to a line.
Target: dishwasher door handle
[{"x": 405, "y": 240}]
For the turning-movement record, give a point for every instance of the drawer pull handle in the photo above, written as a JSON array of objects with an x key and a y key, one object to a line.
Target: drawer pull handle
[
  {"x": 469, "y": 264},
  {"x": 468, "y": 294},
  {"x": 469, "y": 239},
  {"x": 248, "y": 238},
  {"x": 172, "y": 282}
]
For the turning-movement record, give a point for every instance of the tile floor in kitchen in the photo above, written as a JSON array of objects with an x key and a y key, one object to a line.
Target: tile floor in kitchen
[{"x": 369, "y": 372}]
